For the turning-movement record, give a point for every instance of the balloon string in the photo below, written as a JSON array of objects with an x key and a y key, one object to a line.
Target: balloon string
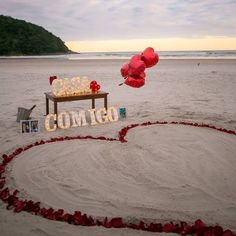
[{"x": 123, "y": 82}]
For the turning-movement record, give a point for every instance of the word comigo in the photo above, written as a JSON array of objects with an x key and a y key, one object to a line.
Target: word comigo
[{"x": 66, "y": 120}]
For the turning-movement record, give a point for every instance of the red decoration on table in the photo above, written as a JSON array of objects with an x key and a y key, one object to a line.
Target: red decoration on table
[
  {"x": 94, "y": 86},
  {"x": 51, "y": 78},
  {"x": 11, "y": 199},
  {"x": 133, "y": 72}
]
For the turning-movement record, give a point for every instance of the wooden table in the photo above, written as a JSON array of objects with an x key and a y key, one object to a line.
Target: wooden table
[{"x": 92, "y": 96}]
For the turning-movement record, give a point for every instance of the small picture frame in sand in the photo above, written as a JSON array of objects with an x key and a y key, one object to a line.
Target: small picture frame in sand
[
  {"x": 34, "y": 126},
  {"x": 29, "y": 126}
]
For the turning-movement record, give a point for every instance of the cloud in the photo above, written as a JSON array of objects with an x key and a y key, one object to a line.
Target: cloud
[{"x": 121, "y": 19}]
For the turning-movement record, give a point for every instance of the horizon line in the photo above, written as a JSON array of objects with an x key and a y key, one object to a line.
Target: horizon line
[{"x": 163, "y": 44}]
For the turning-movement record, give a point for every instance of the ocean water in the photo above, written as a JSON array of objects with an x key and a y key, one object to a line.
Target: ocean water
[
  {"x": 162, "y": 55},
  {"x": 219, "y": 54}
]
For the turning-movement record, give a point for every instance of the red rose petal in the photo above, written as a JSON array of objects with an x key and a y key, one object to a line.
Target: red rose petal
[
  {"x": 218, "y": 231},
  {"x": 2, "y": 183},
  {"x": 20, "y": 205},
  {"x": 2, "y": 169},
  {"x": 155, "y": 227},
  {"x": 228, "y": 233},
  {"x": 78, "y": 218},
  {"x": 168, "y": 228},
  {"x": 117, "y": 223},
  {"x": 199, "y": 224},
  {"x": 106, "y": 223}
]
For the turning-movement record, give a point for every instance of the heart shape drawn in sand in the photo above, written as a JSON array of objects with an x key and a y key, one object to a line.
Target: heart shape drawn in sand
[{"x": 133, "y": 179}]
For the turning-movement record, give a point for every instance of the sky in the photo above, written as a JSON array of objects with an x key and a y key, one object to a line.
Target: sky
[{"x": 131, "y": 25}]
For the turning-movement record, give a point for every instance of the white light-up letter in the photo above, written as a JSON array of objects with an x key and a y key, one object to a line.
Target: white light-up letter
[
  {"x": 47, "y": 122},
  {"x": 92, "y": 116},
  {"x": 112, "y": 114},
  {"x": 75, "y": 84},
  {"x": 57, "y": 87},
  {"x": 78, "y": 119},
  {"x": 85, "y": 84},
  {"x": 102, "y": 118},
  {"x": 70, "y": 87},
  {"x": 63, "y": 120},
  {"x": 66, "y": 83}
]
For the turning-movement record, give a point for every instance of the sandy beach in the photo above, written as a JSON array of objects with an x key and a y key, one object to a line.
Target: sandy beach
[{"x": 163, "y": 173}]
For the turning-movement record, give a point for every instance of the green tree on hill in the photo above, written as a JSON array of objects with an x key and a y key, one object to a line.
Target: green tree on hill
[{"x": 18, "y": 37}]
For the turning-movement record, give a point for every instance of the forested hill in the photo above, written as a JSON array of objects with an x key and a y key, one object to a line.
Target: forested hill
[{"x": 18, "y": 37}]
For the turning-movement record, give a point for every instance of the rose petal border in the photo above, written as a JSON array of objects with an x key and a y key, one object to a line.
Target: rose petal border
[{"x": 13, "y": 202}]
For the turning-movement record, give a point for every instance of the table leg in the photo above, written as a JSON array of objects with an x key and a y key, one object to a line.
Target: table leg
[
  {"x": 93, "y": 103},
  {"x": 47, "y": 106},
  {"x": 105, "y": 102},
  {"x": 55, "y": 111}
]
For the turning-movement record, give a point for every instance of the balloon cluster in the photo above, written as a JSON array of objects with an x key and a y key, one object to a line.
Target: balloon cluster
[
  {"x": 133, "y": 72},
  {"x": 94, "y": 86}
]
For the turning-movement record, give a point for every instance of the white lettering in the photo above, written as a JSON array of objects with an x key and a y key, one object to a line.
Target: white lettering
[
  {"x": 47, "y": 122},
  {"x": 63, "y": 120},
  {"x": 78, "y": 119},
  {"x": 66, "y": 120},
  {"x": 102, "y": 118},
  {"x": 92, "y": 116},
  {"x": 64, "y": 87},
  {"x": 112, "y": 114}
]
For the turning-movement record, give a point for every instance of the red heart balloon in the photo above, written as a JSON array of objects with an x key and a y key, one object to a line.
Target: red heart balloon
[
  {"x": 136, "y": 57},
  {"x": 143, "y": 75},
  {"x": 136, "y": 66},
  {"x": 135, "y": 81},
  {"x": 149, "y": 57},
  {"x": 125, "y": 70}
]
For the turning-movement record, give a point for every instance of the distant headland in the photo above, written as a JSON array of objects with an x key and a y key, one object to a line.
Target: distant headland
[{"x": 19, "y": 38}]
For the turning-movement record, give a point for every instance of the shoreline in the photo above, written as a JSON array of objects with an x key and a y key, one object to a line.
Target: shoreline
[{"x": 112, "y": 59}]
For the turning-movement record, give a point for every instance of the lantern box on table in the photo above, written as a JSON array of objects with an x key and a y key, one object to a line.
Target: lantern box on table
[{"x": 73, "y": 86}]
